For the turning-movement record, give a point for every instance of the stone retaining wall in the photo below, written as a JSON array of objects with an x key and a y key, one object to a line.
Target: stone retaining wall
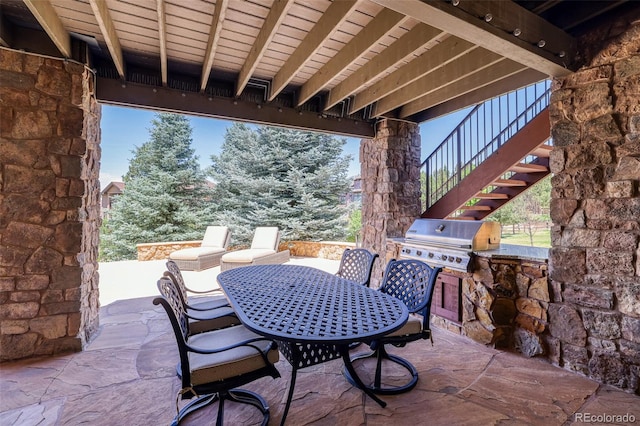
[
  {"x": 49, "y": 205},
  {"x": 323, "y": 249}
]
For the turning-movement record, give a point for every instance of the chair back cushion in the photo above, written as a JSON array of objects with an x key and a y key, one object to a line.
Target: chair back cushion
[
  {"x": 266, "y": 237},
  {"x": 216, "y": 236}
]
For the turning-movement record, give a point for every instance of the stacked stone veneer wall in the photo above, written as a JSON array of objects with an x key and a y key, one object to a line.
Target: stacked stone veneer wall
[
  {"x": 594, "y": 317},
  {"x": 390, "y": 171},
  {"x": 505, "y": 304},
  {"x": 49, "y": 205},
  {"x": 321, "y": 249}
]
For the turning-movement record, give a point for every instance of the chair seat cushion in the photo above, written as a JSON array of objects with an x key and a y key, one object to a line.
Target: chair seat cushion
[
  {"x": 206, "y": 368},
  {"x": 412, "y": 326},
  {"x": 208, "y": 302},
  {"x": 194, "y": 253},
  {"x": 202, "y": 321},
  {"x": 246, "y": 256}
]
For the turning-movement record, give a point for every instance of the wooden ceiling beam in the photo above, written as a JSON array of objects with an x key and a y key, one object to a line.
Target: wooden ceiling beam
[
  {"x": 46, "y": 15},
  {"x": 497, "y": 71},
  {"x": 468, "y": 21},
  {"x": 434, "y": 58},
  {"x": 398, "y": 51},
  {"x": 473, "y": 61},
  {"x": 111, "y": 91},
  {"x": 369, "y": 36},
  {"x": 162, "y": 37},
  {"x": 335, "y": 15},
  {"x": 276, "y": 15},
  {"x": 6, "y": 31},
  {"x": 214, "y": 36},
  {"x": 103, "y": 17}
]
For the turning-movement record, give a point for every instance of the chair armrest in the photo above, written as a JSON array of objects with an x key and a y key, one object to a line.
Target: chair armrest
[{"x": 215, "y": 290}]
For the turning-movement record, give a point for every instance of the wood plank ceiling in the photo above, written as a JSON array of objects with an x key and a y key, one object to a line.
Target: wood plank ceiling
[{"x": 334, "y": 66}]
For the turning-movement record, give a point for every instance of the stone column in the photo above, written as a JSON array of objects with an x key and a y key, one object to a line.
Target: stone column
[
  {"x": 390, "y": 170},
  {"x": 49, "y": 205},
  {"x": 594, "y": 319}
]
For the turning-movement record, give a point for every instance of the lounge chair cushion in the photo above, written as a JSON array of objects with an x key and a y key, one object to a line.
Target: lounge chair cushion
[
  {"x": 213, "y": 246},
  {"x": 247, "y": 255},
  {"x": 266, "y": 237},
  {"x": 195, "y": 252},
  {"x": 216, "y": 236}
]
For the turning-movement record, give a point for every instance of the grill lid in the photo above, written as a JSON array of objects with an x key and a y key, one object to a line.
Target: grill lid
[{"x": 462, "y": 234}]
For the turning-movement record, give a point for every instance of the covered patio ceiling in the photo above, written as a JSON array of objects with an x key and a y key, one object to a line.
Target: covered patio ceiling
[{"x": 331, "y": 66}]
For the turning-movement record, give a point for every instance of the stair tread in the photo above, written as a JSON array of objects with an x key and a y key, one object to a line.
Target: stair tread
[
  {"x": 476, "y": 208},
  {"x": 542, "y": 151},
  {"x": 528, "y": 168},
  {"x": 509, "y": 182},
  {"x": 460, "y": 218},
  {"x": 491, "y": 196}
]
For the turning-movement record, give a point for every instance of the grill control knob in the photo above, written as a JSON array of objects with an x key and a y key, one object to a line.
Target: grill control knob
[
  {"x": 430, "y": 254},
  {"x": 407, "y": 251},
  {"x": 458, "y": 260},
  {"x": 443, "y": 257},
  {"x": 451, "y": 258},
  {"x": 418, "y": 253}
]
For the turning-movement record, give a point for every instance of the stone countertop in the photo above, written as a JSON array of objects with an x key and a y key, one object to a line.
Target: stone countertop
[{"x": 512, "y": 251}]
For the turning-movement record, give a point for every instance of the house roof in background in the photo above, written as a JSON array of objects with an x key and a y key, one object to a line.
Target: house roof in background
[{"x": 114, "y": 188}]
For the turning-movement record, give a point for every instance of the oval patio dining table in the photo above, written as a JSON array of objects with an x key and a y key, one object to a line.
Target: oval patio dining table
[{"x": 312, "y": 315}]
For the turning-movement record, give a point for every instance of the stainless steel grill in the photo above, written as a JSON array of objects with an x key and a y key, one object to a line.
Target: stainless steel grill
[{"x": 449, "y": 243}]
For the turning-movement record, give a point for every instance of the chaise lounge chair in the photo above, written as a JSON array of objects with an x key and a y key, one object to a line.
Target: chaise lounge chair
[
  {"x": 214, "y": 245},
  {"x": 264, "y": 250}
]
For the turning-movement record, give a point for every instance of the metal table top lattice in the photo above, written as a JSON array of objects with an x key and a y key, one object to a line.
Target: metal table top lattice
[
  {"x": 312, "y": 315},
  {"x": 306, "y": 305}
]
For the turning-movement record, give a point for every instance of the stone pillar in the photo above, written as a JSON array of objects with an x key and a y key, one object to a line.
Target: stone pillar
[
  {"x": 595, "y": 207},
  {"x": 390, "y": 170},
  {"x": 49, "y": 205}
]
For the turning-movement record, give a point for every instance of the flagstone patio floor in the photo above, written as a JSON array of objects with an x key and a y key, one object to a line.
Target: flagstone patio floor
[{"x": 127, "y": 376}]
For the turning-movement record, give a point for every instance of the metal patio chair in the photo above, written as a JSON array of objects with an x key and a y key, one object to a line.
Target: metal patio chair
[
  {"x": 412, "y": 282},
  {"x": 203, "y": 300},
  {"x": 214, "y": 364},
  {"x": 356, "y": 265},
  {"x": 211, "y": 314}
]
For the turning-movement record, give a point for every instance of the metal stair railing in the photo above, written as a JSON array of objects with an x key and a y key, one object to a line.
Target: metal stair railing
[{"x": 481, "y": 133}]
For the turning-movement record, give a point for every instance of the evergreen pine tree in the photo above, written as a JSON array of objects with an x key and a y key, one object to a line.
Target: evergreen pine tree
[
  {"x": 280, "y": 177},
  {"x": 166, "y": 196}
]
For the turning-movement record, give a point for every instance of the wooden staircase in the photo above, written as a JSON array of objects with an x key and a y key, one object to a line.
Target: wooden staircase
[{"x": 501, "y": 177}]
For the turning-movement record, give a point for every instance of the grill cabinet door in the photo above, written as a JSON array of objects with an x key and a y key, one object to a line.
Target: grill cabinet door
[{"x": 447, "y": 301}]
